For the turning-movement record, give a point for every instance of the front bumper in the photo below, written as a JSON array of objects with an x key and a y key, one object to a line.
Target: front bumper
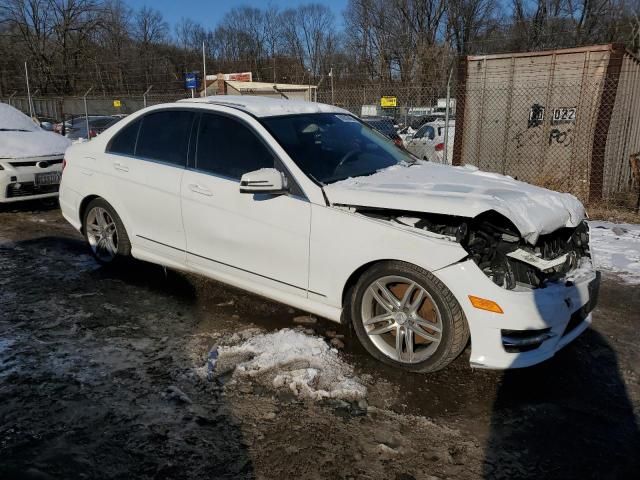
[
  {"x": 17, "y": 179},
  {"x": 555, "y": 315}
]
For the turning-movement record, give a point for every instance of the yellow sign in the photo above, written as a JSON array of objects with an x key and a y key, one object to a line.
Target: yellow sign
[
  {"x": 117, "y": 104},
  {"x": 386, "y": 102}
]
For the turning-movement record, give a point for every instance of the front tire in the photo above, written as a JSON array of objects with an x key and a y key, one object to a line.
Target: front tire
[
  {"x": 105, "y": 233},
  {"x": 405, "y": 317}
]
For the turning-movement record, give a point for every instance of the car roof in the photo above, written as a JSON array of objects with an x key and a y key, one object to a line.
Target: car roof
[
  {"x": 440, "y": 123},
  {"x": 266, "y": 106}
]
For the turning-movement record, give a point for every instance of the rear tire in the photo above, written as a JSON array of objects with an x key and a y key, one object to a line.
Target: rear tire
[
  {"x": 105, "y": 233},
  {"x": 407, "y": 318}
]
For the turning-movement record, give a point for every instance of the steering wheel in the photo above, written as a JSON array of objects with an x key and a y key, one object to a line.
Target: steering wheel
[{"x": 347, "y": 157}]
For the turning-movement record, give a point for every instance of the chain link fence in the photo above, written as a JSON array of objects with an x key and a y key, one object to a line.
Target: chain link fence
[{"x": 573, "y": 132}]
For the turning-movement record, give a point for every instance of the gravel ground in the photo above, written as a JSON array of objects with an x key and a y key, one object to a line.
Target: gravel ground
[{"x": 104, "y": 374}]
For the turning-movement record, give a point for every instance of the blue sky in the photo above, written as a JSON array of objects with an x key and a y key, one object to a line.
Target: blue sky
[{"x": 209, "y": 12}]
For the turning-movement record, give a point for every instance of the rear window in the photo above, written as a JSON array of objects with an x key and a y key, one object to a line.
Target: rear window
[{"x": 124, "y": 142}]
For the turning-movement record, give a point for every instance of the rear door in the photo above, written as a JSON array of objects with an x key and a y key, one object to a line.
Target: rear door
[
  {"x": 148, "y": 180},
  {"x": 418, "y": 143},
  {"x": 261, "y": 239}
]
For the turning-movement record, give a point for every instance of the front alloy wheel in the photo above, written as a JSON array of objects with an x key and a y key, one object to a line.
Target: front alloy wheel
[
  {"x": 405, "y": 317},
  {"x": 401, "y": 319}
]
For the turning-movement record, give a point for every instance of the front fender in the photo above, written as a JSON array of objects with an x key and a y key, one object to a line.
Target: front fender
[{"x": 342, "y": 242}]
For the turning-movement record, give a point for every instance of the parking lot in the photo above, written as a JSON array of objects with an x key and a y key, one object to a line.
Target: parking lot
[{"x": 112, "y": 373}]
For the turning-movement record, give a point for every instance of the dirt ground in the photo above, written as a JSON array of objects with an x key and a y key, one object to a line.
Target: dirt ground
[{"x": 100, "y": 377}]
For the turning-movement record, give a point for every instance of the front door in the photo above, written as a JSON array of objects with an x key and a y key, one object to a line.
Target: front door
[{"x": 261, "y": 239}]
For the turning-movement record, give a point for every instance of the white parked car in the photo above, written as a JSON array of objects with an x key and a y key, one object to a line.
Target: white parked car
[
  {"x": 427, "y": 143},
  {"x": 30, "y": 158},
  {"x": 305, "y": 204}
]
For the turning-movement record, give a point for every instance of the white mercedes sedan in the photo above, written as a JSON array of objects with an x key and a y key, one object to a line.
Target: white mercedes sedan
[{"x": 306, "y": 205}]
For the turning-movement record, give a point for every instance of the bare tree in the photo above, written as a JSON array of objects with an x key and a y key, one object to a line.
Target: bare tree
[
  {"x": 467, "y": 20},
  {"x": 149, "y": 30}
]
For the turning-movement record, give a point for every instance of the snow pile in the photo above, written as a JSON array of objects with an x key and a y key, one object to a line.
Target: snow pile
[
  {"x": 290, "y": 359},
  {"x": 616, "y": 248}
]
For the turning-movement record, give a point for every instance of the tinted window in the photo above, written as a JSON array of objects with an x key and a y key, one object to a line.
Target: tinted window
[
  {"x": 227, "y": 147},
  {"x": 124, "y": 141},
  {"x": 383, "y": 126},
  {"x": 164, "y": 136},
  {"x": 430, "y": 132}
]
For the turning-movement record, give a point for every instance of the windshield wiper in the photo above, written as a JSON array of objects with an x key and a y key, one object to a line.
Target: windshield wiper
[{"x": 13, "y": 130}]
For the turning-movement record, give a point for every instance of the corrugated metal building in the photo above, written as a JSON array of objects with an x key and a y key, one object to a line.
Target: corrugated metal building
[{"x": 566, "y": 119}]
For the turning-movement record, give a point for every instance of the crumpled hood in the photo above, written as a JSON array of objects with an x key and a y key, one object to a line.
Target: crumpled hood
[
  {"x": 38, "y": 143},
  {"x": 461, "y": 191}
]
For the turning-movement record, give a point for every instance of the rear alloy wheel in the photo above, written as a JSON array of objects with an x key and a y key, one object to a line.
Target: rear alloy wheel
[
  {"x": 105, "y": 232},
  {"x": 406, "y": 317}
]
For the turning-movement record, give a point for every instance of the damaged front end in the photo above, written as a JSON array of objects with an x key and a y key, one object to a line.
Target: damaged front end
[{"x": 496, "y": 246}]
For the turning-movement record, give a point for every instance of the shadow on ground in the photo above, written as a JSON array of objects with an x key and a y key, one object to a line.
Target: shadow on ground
[{"x": 570, "y": 417}]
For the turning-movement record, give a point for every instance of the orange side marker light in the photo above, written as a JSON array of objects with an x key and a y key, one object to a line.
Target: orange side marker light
[{"x": 484, "y": 304}]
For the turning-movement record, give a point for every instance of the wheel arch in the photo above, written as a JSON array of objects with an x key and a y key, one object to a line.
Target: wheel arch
[
  {"x": 83, "y": 208},
  {"x": 353, "y": 279},
  {"x": 84, "y": 203}
]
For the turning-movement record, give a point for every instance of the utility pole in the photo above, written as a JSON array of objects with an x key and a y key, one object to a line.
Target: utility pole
[{"x": 204, "y": 69}]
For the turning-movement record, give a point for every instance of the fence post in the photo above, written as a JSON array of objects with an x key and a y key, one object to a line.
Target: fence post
[
  {"x": 605, "y": 112},
  {"x": 446, "y": 120},
  {"x": 26, "y": 73},
  {"x": 144, "y": 96},
  {"x": 86, "y": 113},
  {"x": 333, "y": 102},
  {"x": 461, "y": 96}
]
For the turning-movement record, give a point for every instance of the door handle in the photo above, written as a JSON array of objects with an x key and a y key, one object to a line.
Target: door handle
[
  {"x": 120, "y": 166},
  {"x": 195, "y": 188}
]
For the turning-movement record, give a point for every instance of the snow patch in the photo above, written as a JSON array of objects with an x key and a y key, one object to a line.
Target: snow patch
[
  {"x": 616, "y": 249},
  {"x": 290, "y": 359}
]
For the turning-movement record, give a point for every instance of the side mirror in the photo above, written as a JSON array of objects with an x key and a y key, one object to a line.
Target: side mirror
[{"x": 265, "y": 180}]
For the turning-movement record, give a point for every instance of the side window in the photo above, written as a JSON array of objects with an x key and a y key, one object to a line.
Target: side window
[
  {"x": 419, "y": 133},
  {"x": 124, "y": 142},
  {"x": 227, "y": 147},
  {"x": 164, "y": 136},
  {"x": 430, "y": 133}
]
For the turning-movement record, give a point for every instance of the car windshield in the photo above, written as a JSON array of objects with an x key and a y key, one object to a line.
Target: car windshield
[
  {"x": 383, "y": 126},
  {"x": 330, "y": 147},
  {"x": 102, "y": 122}
]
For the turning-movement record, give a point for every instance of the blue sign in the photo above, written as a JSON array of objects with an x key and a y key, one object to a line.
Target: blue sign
[{"x": 190, "y": 81}]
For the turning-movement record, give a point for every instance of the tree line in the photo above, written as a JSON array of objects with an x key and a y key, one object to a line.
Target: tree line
[{"x": 71, "y": 45}]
